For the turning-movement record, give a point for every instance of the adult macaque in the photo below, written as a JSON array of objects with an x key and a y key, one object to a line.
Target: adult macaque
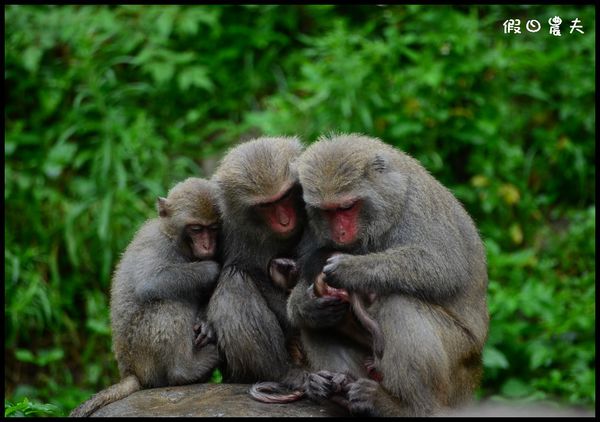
[
  {"x": 407, "y": 240},
  {"x": 159, "y": 294},
  {"x": 263, "y": 219}
]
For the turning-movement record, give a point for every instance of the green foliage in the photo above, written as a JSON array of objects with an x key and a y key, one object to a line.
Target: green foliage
[
  {"x": 108, "y": 106},
  {"x": 27, "y": 408},
  {"x": 216, "y": 377}
]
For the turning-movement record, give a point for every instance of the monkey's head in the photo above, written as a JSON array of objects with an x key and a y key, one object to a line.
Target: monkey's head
[
  {"x": 259, "y": 188},
  {"x": 189, "y": 215},
  {"x": 351, "y": 188}
]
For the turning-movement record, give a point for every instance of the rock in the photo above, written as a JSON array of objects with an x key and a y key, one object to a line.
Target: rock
[
  {"x": 210, "y": 400},
  {"x": 233, "y": 400}
]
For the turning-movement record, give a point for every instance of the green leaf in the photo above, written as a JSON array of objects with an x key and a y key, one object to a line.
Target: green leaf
[
  {"x": 196, "y": 76},
  {"x": 216, "y": 377},
  {"x": 24, "y": 355},
  {"x": 31, "y": 58},
  {"x": 162, "y": 72},
  {"x": 516, "y": 388},
  {"x": 494, "y": 358}
]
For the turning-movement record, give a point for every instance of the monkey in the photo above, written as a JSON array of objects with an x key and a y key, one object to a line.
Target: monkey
[
  {"x": 263, "y": 219},
  {"x": 159, "y": 295},
  {"x": 405, "y": 238}
]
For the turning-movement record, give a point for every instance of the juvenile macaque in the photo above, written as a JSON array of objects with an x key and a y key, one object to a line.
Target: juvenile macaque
[
  {"x": 405, "y": 239},
  {"x": 159, "y": 294},
  {"x": 263, "y": 219}
]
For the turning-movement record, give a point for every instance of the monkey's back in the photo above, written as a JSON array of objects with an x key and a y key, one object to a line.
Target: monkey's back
[{"x": 145, "y": 334}]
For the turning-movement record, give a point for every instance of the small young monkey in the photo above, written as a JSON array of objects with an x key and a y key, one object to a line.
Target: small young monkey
[{"x": 159, "y": 294}]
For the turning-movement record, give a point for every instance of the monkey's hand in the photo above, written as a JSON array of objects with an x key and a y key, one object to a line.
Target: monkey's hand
[
  {"x": 284, "y": 273},
  {"x": 203, "y": 334},
  {"x": 322, "y": 385},
  {"x": 361, "y": 397},
  {"x": 343, "y": 271},
  {"x": 326, "y": 311}
]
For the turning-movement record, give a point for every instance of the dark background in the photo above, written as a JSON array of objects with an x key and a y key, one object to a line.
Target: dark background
[{"x": 108, "y": 106}]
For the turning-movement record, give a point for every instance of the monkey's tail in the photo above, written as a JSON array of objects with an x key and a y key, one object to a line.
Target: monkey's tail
[
  {"x": 369, "y": 323},
  {"x": 122, "y": 389},
  {"x": 274, "y": 392}
]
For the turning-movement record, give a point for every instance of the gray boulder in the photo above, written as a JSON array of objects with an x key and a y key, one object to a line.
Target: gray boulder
[{"x": 210, "y": 400}]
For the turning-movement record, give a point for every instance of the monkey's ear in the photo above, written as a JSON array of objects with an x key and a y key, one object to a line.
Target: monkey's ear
[{"x": 162, "y": 206}]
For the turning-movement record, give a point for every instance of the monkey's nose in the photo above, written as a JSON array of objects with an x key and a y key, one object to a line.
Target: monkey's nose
[{"x": 283, "y": 217}]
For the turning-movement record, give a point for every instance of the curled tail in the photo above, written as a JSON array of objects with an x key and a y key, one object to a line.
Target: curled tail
[
  {"x": 125, "y": 387},
  {"x": 274, "y": 392}
]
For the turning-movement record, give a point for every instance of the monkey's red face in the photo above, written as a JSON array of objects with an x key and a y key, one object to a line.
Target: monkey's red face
[
  {"x": 203, "y": 240},
  {"x": 343, "y": 220},
  {"x": 280, "y": 213}
]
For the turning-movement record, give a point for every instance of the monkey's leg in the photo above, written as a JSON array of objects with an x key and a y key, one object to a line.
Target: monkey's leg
[
  {"x": 187, "y": 361},
  {"x": 190, "y": 366},
  {"x": 333, "y": 359},
  {"x": 249, "y": 334},
  {"x": 416, "y": 365}
]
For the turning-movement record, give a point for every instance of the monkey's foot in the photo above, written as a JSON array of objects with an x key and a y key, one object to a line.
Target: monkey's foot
[
  {"x": 361, "y": 397},
  {"x": 323, "y": 384},
  {"x": 203, "y": 334}
]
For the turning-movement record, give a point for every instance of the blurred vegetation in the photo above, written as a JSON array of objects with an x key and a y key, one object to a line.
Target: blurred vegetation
[{"x": 106, "y": 107}]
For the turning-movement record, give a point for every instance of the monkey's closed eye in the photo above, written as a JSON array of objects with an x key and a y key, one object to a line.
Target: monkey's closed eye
[
  {"x": 346, "y": 207},
  {"x": 195, "y": 228}
]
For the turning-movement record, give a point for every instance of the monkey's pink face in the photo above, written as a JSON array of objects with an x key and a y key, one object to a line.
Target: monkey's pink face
[
  {"x": 280, "y": 213},
  {"x": 343, "y": 220},
  {"x": 203, "y": 239}
]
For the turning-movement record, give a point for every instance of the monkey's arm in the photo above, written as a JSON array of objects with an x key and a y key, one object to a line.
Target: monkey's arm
[
  {"x": 307, "y": 310},
  {"x": 178, "y": 281},
  {"x": 418, "y": 271}
]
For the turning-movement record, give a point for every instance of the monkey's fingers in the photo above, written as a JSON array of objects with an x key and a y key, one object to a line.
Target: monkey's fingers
[
  {"x": 331, "y": 266},
  {"x": 284, "y": 265},
  {"x": 319, "y": 386},
  {"x": 200, "y": 341},
  {"x": 204, "y": 335},
  {"x": 332, "y": 304}
]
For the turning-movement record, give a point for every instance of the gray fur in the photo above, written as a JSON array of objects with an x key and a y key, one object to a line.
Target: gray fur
[
  {"x": 158, "y": 295},
  {"x": 419, "y": 252}
]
